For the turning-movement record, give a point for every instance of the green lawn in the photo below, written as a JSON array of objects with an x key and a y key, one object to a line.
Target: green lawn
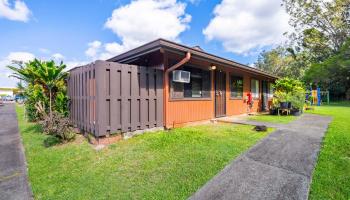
[
  {"x": 282, "y": 119},
  {"x": 331, "y": 178},
  {"x": 162, "y": 165}
]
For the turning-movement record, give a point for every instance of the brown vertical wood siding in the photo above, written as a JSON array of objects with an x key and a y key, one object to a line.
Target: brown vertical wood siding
[
  {"x": 82, "y": 94},
  {"x": 109, "y": 97}
]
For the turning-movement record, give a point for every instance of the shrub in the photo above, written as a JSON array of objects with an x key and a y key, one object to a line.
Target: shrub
[
  {"x": 34, "y": 94},
  {"x": 298, "y": 98},
  {"x": 45, "y": 92},
  {"x": 289, "y": 90},
  {"x": 58, "y": 126},
  {"x": 45, "y": 82},
  {"x": 61, "y": 104},
  {"x": 287, "y": 85}
]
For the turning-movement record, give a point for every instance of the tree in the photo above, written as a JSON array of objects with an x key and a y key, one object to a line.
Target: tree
[
  {"x": 49, "y": 75},
  {"x": 23, "y": 72},
  {"x": 320, "y": 27},
  {"x": 272, "y": 62},
  {"x": 282, "y": 62},
  {"x": 45, "y": 91},
  {"x": 333, "y": 73},
  {"x": 42, "y": 74}
]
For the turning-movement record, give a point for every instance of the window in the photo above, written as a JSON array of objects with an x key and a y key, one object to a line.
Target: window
[
  {"x": 236, "y": 85},
  {"x": 270, "y": 90},
  {"x": 254, "y": 88},
  {"x": 198, "y": 87}
]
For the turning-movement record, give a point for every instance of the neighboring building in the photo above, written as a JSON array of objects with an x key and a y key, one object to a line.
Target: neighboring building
[
  {"x": 215, "y": 87},
  {"x": 7, "y": 91}
]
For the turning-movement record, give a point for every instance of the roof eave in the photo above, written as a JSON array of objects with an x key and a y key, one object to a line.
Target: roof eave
[{"x": 162, "y": 43}]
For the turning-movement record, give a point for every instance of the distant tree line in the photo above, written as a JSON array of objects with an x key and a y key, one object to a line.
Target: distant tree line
[{"x": 318, "y": 50}]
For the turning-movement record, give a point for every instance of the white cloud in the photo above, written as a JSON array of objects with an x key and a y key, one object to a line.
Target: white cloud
[
  {"x": 97, "y": 50},
  {"x": 20, "y": 56},
  {"x": 114, "y": 48},
  {"x": 5, "y": 80},
  {"x": 245, "y": 26},
  {"x": 70, "y": 63},
  {"x": 142, "y": 21},
  {"x": 75, "y": 63},
  {"x": 57, "y": 56},
  {"x": 17, "y": 12},
  {"x": 94, "y": 49}
]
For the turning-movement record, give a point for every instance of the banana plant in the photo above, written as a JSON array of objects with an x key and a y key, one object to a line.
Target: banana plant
[
  {"x": 49, "y": 75},
  {"x": 45, "y": 73}
]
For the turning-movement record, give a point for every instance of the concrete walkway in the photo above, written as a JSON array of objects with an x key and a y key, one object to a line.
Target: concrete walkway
[
  {"x": 279, "y": 167},
  {"x": 13, "y": 170}
]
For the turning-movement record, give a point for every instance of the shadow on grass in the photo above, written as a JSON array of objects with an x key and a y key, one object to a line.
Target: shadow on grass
[
  {"x": 35, "y": 128},
  {"x": 51, "y": 141}
]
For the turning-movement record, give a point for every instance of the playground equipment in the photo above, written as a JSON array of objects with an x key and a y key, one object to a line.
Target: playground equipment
[{"x": 318, "y": 96}]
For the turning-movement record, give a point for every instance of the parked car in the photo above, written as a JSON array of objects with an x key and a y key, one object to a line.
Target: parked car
[
  {"x": 19, "y": 99},
  {"x": 8, "y": 98}
]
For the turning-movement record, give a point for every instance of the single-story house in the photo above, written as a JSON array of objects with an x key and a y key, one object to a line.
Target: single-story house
[{"x": 190, "y": 85}]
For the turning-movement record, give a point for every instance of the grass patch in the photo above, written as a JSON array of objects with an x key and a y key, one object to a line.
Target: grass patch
[
  {"x": 331, "y": 178},
  {"x": 162, "y": 165},
  {"x": 279, "y": 119}
]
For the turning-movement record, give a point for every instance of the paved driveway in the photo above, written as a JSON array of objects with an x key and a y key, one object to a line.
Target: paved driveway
[
  {"x": 13, "y": 171},
  {"x": 279, "y": 167}
]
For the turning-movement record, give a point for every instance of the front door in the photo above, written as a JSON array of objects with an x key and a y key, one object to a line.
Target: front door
[
  {"x": 220, "y": 93},
  {"x": 265, "y": 93}
]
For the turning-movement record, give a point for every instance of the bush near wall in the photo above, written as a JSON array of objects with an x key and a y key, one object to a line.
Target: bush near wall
[{"x": 46, "y": 97}]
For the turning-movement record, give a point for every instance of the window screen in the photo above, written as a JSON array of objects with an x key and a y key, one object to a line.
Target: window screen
[
  {"x": 254, "y": 88},
  {"x": 236, "y": 85},
  {"x": 198, "y": 87},
  {"x": 270, "y": 90}
]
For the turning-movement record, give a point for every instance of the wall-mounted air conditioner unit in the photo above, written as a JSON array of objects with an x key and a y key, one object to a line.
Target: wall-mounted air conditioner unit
[{"x": 181, "y": 76}]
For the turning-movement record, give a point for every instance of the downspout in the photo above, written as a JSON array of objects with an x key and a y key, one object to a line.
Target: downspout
[
  {"x": 179, "y": 64},
  {"x": 166, "y": 83}
]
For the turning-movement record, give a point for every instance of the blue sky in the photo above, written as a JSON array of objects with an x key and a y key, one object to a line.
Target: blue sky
[{"x": 78, "y": 32}]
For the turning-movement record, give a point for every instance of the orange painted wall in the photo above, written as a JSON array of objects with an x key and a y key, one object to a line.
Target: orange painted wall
[
  {"x": 189, "y": 111},
  {"x": 239, "y": 106},
  {"x": 183, "y": 111}
]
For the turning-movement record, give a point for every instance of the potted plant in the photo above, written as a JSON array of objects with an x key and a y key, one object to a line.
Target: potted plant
[
  {"x": 297, "y": 107},
  {"x": 298, "y": 100},
  {"x": 282, "y": 98},
  {"x": 289, "y": 98},
  {"x": 274, "y": 106},
  {"x": 284, "y": 105}
]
